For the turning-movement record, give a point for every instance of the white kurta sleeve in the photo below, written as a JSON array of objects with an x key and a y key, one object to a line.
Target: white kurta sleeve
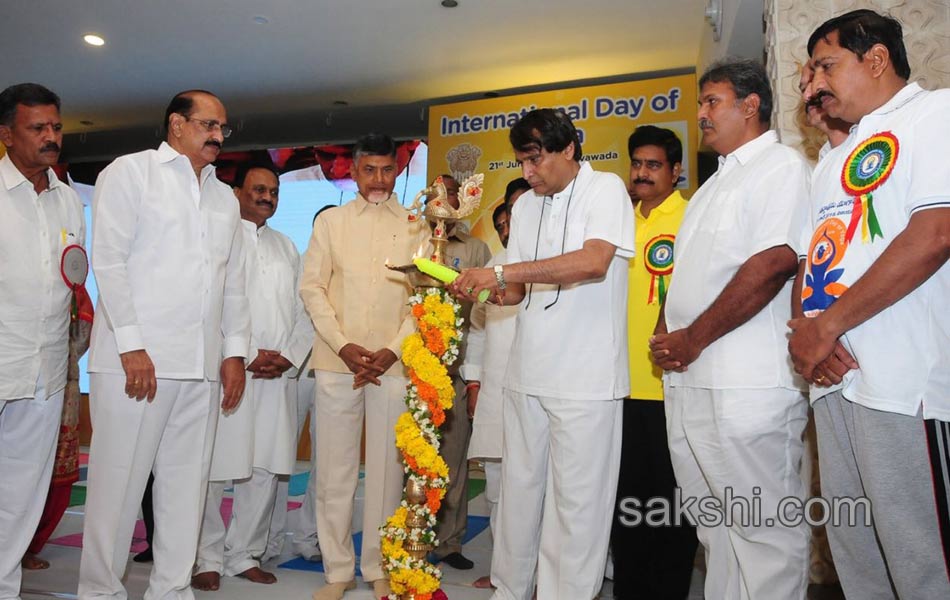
[
  {"x": 301, "y": 338},
  {"x": 115, "y": 213},
  {"x": 471, "y": 369},
  {"x": 236, "y": 310}
]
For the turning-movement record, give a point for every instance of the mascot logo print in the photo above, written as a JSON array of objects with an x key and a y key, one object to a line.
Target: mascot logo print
[{"x": 821, "y": 286}]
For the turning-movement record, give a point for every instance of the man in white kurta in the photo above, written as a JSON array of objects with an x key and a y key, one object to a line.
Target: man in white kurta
[
  {"x": 490, "y": 335},
  {"x": 734, "y": 409},
  {"x": 570, "y": 241},
  {"x": 256, "y": 443},
  {"x": 874, "y": 286},
  {"x": 168, "y": 346},
  {"x": 42, "y": 217},
  {"x": 361, "y": 314}
]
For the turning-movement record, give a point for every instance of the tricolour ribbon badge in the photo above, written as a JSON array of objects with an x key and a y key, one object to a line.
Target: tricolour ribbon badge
[{"x": 865, "y": 170}]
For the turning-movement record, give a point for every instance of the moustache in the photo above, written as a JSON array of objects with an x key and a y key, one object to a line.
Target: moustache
[
  {"x": 815, "y": 101},
  {"x": 214, "y": 143},
  {"x": 705, "y": 124},
  {"x": 50, "y": 147},
  {"x": 265, "y": 202},
  {"x": 642, "y": 182}
]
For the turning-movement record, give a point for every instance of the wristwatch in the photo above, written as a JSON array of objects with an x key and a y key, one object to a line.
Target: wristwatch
[{"x": 500, "y": 276}]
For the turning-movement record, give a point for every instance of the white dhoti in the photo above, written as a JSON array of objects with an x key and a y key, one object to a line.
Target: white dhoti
[
  {"x": 171, "y": 436},
  {"x": 305, "y": 540},
  {"x": 340, "y": 412},
  {"x": 746, "y": 443},
  {"x": 253, "y": 445},
  {"x": 29, "y": 428},
  {"x": 559, "y": 481}
]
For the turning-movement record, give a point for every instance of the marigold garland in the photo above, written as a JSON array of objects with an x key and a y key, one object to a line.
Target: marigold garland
[{"x": 427, "y": 353}]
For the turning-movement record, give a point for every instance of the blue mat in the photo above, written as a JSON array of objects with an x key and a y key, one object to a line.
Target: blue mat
[{"x": 475, "y": 526}]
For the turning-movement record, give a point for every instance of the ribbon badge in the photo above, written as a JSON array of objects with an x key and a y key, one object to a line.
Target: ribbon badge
[
  {"x": 865, "y": 170},
  {"x": 658, "y": 259},
  {"x": 74, "y": 267}
]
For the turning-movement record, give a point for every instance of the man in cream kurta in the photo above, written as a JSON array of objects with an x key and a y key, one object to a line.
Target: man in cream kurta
[
  {"x": 361, "y": 314},
  {"x": 256, "y": 443},
  {"x": 170, "y": 336},
  {"x": 42, "y": 216}
]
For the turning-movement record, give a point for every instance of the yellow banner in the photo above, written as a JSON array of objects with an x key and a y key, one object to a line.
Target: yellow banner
[{"x": 472, "y": 137}]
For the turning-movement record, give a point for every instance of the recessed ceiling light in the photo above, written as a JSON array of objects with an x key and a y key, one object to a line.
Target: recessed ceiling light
[
  {"x": 86, "y": 123},
  {"x": 260, "y": 19},
  {"x": 450, "y": 3},
  {"x": 93, "y": 39}
]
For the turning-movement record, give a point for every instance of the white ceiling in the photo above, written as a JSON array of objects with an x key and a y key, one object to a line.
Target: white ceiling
[{"x": 376, "y": 55}]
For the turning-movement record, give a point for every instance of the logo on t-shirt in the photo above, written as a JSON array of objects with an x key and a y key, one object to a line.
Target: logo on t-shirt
[{"x": 821, "y": 287}]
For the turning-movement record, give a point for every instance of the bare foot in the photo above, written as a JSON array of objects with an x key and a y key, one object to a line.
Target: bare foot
[
  {"x": 483, "y": 583},
  {"x": 209, "y": 581},
  {"x": 32, "y": 562},
  {"x": 258, "y": 575}
]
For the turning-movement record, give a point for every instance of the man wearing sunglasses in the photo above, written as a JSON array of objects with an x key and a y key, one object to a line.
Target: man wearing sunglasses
[{"x": 168, "y": 350}]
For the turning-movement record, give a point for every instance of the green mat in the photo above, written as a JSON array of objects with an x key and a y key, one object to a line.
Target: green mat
[
  {"x": 77, "y": 496},
  {"x": 475, "y": 487}
]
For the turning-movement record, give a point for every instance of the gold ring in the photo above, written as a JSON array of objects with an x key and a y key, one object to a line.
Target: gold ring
[
  {"x": 136, "y": 382},
  {"x": 820, "y": 379}
]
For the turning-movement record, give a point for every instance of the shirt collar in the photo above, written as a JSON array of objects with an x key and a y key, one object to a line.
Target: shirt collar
[
  {"x": 167, "y": 154},
  {"x": 668, "y": 206},
  {"x": 391, "y": 204},
  {"x": 253, "y": 228},
  {"x": 750, "y": 149},
  {"x": 12, "y": 177},
  {"x": 576, "y": 184},
  {"x": 897, "y": 100}
]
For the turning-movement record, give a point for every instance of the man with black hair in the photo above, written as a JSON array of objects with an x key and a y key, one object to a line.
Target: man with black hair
[
  {"x": 571, "y": 237},
  {"x": 874, "y": 286},
  {"x": 256, "y": 442},
  {"x": 361, "y": 314},
  {"x": 513, "y": 191},
  {"x": 168, "y": 345},
  {"x": 734, "y": 407},
  {"x": 650, "y": 561},
  {"x": 42, "y": 217}
]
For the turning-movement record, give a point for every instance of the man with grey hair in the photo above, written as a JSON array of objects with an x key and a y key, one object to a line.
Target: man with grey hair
[
  {"x": 735, "y": 409},
  {"x": 42, "y": 218},
  {"x": 361, "y": 314}
]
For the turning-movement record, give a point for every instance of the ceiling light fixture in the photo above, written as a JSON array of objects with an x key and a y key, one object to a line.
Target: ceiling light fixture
[
  {"x": 93, "y": 39},
  {"x": 450, "y": 3}
]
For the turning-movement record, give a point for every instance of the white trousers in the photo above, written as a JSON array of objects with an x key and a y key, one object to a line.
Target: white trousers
[
  {"x": 492, "y": 492},
  {"x": 340, "y": 412},
  {"x": 230, "y": 550},
  {"x": 305, "y": 540},
  {"x": 171, "y": 436},
  {"x": 558, "y": 485},
  {"x": 744, "y": 444},
  {"x": 29, "y": 428}
]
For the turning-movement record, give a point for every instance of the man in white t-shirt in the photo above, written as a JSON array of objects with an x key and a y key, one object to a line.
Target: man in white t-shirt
[
  {"x": 734, "y": 408},
  {"x": 875, "y": 282},
  {"x": 571, "y": 237}
]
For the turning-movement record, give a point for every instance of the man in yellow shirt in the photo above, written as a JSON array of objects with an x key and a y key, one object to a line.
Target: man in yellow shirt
[{"x": 650, "y": 561}]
